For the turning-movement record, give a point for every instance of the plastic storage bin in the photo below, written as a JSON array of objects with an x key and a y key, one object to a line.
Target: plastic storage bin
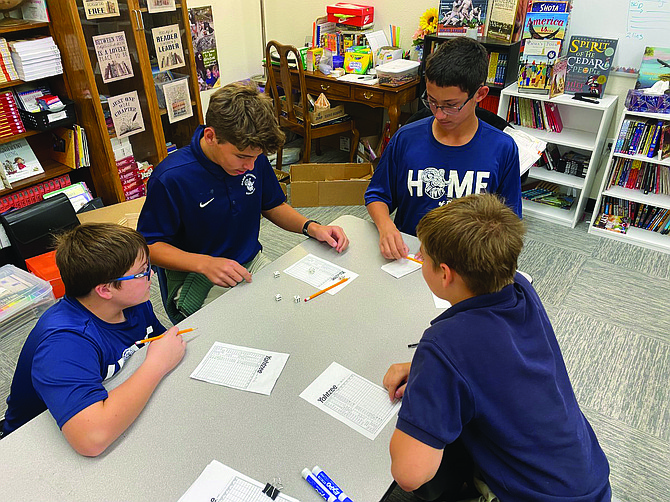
[
  {"x": 44, "y": 267},
  {"x": 397, "y": 72},
  {"x": 160, "y": 79},
  {"x": 23, "y": 298}
]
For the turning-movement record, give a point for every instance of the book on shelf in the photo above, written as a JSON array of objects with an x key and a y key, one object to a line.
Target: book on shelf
[
  {"x": 36, "y": 58},
  {"x": 497, "y": 68},
  {"x": 638, "y": 215},
  {"x": 500, "y": 24},
  {"x": 664, "y": 142},
  {"x": 77, "y": 193},
  {"x": 549, "y": 6},
  {"x": 614, "y": 223},
  {"x": 558, "y": 73},
  {"x": 534, "y": 114},
  {"x": 589, "y": 63},
  {"x": 655, "y": 66},
  {"x": 7, "y": 69},
  {"x": 19, "y": 161},
  {"x": 641, "y": 137},
  {"x": 32, "y": 194},
  {"x": 456, "y": 16},
  {"x": 548, "y": 194}
]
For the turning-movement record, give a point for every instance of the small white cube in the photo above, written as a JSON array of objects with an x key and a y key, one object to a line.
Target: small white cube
[
  {"x": 278, "y": 298},
  {"x": 296, "y": 299},
  {"x": 277, "y": 274}
]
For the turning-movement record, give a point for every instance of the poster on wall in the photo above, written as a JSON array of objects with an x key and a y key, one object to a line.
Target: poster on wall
[
  {"x": 126, "y": 114},
  {"x": 113, "y": 56},
  {"x": 204, "y": 47},
  {"x": 178, "y": 100},
  {"x": 96, "y": 9},
  {"x": 169, "y": 51},
  {"x": 160, "y": 6}
]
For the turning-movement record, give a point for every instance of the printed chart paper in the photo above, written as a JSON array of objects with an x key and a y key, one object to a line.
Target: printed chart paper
[
  {"x": 126, "y": 114},
  {"x": 169, "y": 51},
  {"x": 351, "y": 399},
  {"x": 220, "y": 483},
  {"x": 177, "y": 100},
  {"x": 113, "y": 57},
  {"x": 241, "y": 368},
  {"x": 320, "y": 273},
  {"x": 401, "y": 267}
]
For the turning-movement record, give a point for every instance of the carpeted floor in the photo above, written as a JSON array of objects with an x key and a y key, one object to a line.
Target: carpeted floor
[{"x": 608, "y": 302}]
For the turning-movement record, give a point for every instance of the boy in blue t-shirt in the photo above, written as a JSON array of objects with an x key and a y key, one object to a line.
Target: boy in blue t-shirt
[
  {"x": 451, "y": 154},
  {"x": 87, "y": 337},
  {"x": 487, "y": 401}
]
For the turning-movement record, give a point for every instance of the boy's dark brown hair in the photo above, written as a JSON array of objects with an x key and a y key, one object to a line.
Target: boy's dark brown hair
[
  {"x": 459, "y": 62},
  {"x": 242, "y": 116},
  {"x": 97, "y": 253},
  {"x": 477, "y": 236}
]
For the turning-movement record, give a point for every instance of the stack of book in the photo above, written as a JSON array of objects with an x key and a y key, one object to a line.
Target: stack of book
[
  {"x": 36, "y": 58},
  {"x": 548, "y": 194},
  {"x": 618, "y": 214},
  {"x": 643, "y": 176},
  {"x": 574, "y": 163},
  {"x": 33, "y": 194},
  {"x": 10, "y": 120},
  {"x": 497, "y": 67},
  {"x": 641, "y": 137},
  {"x": 129, "y": 172},
  {"x": 7, "y": 70},
  {"x": 534, "y": 114}
]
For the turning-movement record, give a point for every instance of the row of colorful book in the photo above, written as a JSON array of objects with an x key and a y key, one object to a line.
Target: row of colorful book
[
  {"x": 497, "y": 68},
  {"x": 574, "y": 163},
  {"x": 7, "y": 70},
  {"x": 33, "y": 194},
  {"x": 547, "y": 193},
  {"x": 10, "y": 119},
  {"x": 644, "y": 137},
  {"x": 534, "y": 114},
  {"x": 618, "y": 214},
  {"x": 644, "y": 176},
  {"x": 129, "y": 173}
]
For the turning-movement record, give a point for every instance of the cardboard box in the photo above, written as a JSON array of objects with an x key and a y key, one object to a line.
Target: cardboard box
[
  {"x": 329, "y": 184},
  {"x": 319, "y": 115},
  {"x": 352, "y": 14},
  {"x": 123, "y": 213}
]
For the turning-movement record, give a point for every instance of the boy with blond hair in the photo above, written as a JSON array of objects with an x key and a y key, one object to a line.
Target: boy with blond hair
[
  {"x": 87, "y": 337},
  {"x": 488, "y": 392}
]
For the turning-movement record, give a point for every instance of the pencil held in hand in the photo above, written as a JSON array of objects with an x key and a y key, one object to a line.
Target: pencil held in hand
[
  {"x": 187, "y": 330},
  {"x": 326, "y": 289}
]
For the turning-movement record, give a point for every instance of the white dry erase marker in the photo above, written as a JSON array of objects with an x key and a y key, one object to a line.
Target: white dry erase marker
[
  {"x": 330, "y": 484},
  {"x": 316, "y": 484}
]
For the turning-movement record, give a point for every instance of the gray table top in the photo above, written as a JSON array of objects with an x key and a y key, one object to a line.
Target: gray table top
[{"x": 187, "y": 423}]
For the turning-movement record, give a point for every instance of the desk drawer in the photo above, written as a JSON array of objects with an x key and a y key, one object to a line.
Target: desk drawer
[
  {"x": 332, "y": 89},
  {"x": 368, "y": 96}
]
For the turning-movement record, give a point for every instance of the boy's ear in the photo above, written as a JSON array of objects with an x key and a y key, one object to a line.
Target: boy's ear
[
  {"x": 447, "y": 274},
  {"x": 481, "y": 93},
  {"x": 209, "y": 135},
  {"x": 104, "y": 291}
]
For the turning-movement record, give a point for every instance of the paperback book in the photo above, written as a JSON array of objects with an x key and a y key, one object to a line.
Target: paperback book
[
  {"x": 19, "y": 161},
  {"x": 113, "y": 56},
  {"x": 614, "y": 223},
  {"x": 455, "y": 16},
  {"x": 549, "y": 6},
  {"x": 558, "y": 73},
  {"x": 545, "y": 25},
  {"x": 169, "y": 51},
  {"x": 536, "y": 63},
  {"x": 655, "y": 66},
  {"x": 501, "y": 23},
  {"x": 589, "y": 64}
]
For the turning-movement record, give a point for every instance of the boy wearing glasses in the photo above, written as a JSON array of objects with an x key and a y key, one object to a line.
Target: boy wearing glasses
[
  {"x": 448, "y": 155},
  {"x": 87, "y": 337}
]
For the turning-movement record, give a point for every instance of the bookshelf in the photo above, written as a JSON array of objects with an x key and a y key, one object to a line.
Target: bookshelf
[
  {"x": 585, "y": 127},
  {"x": 634, "y": 235},
  {"x": 39, "y": 141}
]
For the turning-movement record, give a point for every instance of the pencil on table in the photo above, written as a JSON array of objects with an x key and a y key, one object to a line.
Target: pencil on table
[
  {"x": 326, "y": 289},
  {"x": 414, "y": 260},
  {"x": 187, "y": 330}
]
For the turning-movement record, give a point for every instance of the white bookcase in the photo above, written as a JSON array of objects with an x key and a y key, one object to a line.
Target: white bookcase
[
  {"x": 637, "y": 236},
  {"x": 585, "y": 127}
]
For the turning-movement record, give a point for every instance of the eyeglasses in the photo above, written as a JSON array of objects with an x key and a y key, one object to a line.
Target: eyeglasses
[
  {"x": 446, "y": 109},
  {"x": 146, "y": 273}
]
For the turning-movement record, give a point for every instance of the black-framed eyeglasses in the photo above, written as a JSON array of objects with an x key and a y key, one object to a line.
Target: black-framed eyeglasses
[
  {"x": 146, "y": 273},
  {"x": 446, "y": 109}
]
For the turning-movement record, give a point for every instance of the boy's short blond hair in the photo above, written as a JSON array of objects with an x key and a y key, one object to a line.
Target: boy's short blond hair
[
  {"x": 243, "y": 117},
  {"x": 97, "y": 253},
  {"x": 477, "y": 236}
]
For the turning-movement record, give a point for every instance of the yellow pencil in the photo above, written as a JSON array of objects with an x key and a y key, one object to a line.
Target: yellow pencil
[
  {"x": 328, "y": 288},
  {"x": 187, "y": 330},
  {"x": 414, "y": 259}
]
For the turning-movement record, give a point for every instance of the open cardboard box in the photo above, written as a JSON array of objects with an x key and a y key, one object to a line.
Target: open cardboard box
[
  {"x": 329, "y": 184},
  {"x": 123, "y": 213},
  {"x": 318, "y": 115}
]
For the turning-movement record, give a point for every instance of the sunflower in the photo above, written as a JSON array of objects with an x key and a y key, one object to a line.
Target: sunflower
[{"x": 428, "y": 21}]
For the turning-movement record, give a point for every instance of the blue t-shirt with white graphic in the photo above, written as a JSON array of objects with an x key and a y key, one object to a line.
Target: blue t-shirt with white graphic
[
  {"x": 196, "y": 206},
  {"x": 67, "y": 356},
  {"x": 417, "y": 173}
]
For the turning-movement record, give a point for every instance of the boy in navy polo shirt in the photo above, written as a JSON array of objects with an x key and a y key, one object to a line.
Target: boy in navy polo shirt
[
  {"x": 202, "y": 214},
  {"x": 488, "y": 390},
  {"x": 87, "y": 337},
  {"x": 448, "y": 155}
]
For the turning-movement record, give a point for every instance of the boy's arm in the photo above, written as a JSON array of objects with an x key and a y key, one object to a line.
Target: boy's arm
[
  {"x": 94, "y": 428},
  {"x": 413, "y": 463},
  {"x": 391, "y": 244}
]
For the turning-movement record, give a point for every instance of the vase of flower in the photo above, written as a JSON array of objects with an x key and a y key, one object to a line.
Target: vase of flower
[{"x": 427, "y": 26}]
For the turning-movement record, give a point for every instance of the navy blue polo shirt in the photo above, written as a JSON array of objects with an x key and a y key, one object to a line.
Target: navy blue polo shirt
[{"x": 196, "y": 206}]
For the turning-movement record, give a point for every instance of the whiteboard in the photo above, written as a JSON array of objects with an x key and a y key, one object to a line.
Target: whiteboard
[{"x": 636, "y": 23}]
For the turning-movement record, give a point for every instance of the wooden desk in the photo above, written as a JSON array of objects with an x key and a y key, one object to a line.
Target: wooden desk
[
  {"x": 187, "y": 423},
  {"x": 375, "y": 96}
]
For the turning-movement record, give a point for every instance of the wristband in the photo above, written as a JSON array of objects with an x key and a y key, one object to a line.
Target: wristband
[{"x": 304, "y": 227}]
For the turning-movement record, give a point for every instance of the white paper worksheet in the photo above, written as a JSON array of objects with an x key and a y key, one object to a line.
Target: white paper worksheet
[
  {"x": 320, "y": 273},
  {"x": 220, "y": 483},
  {"x": 352, "y": 399},
  {"x": 401, "y": 267},
  {"x": 241, "y": 368}
]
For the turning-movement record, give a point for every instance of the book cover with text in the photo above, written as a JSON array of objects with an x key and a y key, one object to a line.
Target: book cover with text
[
  {"x": 455, "y": 16},
  {"x": 655, "y": 66},
  {"x": 589, "y": 64},
  {"x": 113, "y": 56},
  {"x": 18, "y": 160}
]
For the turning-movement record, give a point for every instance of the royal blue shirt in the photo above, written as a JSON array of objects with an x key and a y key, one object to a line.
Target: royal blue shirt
[
  {"x": 489, "y": 370},
  {"x": 417, "y": 173},
  {"x": 67, "y": 356},
  {"x": 194, "y": 205}
]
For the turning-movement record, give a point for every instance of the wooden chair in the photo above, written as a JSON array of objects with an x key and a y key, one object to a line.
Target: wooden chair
[{"x": 295, "y": 92}]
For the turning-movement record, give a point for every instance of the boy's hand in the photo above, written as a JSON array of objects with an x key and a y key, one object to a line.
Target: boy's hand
[
  {"x": 331, "y": 235},
  {"x": 224, "y": 272},
  {"x": 391, "y": 244},
  {"x": 395, "y": 380},
  {"x": 165, "y": 353}
]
